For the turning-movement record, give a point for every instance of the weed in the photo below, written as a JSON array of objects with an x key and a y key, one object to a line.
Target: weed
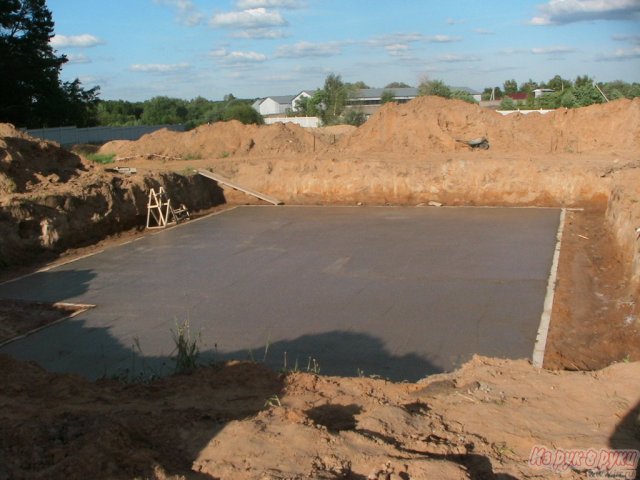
[
  {"x": 187, "y": 350},
  {"x": 192, "y": 156},
  {"x": 224, "y": 154},
  {"x": 313, "y": 366},
  {"x": 273, "y": 401},
  {"x": 502, "y": 449},
  {"x": 102, "y": 158}
]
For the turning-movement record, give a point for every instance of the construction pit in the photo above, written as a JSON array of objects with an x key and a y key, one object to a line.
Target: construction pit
[{"x": 359, "y": 304}]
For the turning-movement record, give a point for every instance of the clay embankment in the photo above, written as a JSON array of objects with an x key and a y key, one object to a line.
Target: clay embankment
[
  {"x": 410, "y": 154},
  {"x": 51, "y": 199}
]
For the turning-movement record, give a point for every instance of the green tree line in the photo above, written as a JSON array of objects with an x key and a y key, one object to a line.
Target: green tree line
[
  {"x": 564, "y": 93},
  {"x": 165, "y": 110}
]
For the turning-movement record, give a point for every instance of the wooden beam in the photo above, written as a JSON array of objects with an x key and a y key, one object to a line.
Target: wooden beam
[{"x": 230, "y": 183}]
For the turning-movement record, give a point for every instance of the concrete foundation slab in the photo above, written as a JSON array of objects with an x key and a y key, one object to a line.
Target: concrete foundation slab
[{"x": 399, "y": 292}]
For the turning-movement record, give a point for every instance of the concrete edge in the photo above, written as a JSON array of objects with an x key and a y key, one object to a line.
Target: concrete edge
[
  {"x": 81, "y": 308},
  {"x": 545, "y": 318},
  {"x": 127, "y": 242}
]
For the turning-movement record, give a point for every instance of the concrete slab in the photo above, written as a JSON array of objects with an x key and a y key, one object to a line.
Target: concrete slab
[{"x": 399, "y": 292}]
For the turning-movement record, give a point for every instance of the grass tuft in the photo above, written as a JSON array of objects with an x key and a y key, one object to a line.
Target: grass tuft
[
  {"x": 102, "y": 158},
  {"x": 187, "y": 350}
]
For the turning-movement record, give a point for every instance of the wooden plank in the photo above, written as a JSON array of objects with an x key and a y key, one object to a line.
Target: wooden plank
[{"x": 230, "y": 183}]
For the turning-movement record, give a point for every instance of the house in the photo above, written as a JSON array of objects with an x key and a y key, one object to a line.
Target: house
[
  {"x": 538, "y": 92},
  {"x": 369, "y": 100},
  {"x": 517, "y": 97},
  {"x": 279, "y": 105}
]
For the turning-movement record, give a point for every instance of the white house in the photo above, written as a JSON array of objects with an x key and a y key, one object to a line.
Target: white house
[{"x": 279, "y": 105}]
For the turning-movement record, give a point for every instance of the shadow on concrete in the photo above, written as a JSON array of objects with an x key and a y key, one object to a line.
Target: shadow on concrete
[
  {"x": 192, "y": 407},
  {"x": 50, "y": 286},
  {"x": 627, "y": 434},
  {"x": 339, "y": 353}
]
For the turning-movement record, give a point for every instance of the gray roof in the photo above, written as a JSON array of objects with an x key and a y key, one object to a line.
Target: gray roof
[
  {"x": 282, "y": 99},
  {"x": 465, "y": 89},
  {"x": 375, "y": 93}
]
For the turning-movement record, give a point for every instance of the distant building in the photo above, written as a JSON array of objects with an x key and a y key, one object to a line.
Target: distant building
[
  {"x": 518, "y": 97},
  {"x": 280, "y": 105},
  {"x": 539, "y": 92}
]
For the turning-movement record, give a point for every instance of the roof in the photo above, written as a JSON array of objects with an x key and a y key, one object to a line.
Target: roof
[
  {"x": 465, "y": 89},
  {"x": 282, "y": 99},
  {"x": 375, "y": 93}
]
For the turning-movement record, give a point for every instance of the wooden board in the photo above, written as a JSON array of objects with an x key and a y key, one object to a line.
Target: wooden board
[{"x": 230, "y": 183}]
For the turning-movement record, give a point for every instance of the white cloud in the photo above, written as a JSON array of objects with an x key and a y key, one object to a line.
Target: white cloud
[
  {"x": 634, "y": 39},
  {"x": 482, "y": 31},
  {"x": 252, "y": 18},
  {"x": 397, "y": 49},
  {"x": 260, "y": 34},
  {"x": 238, "y": 56},
  {"x": 560, "y": 12},
  {"x": 290, "y": 4},
  {"x": 79, "y": 41},
  {"x": 557, "y": 50},
  {"x": 454, "y": 21},
  {"x": 620, "y": 55},
  {"x": 443, "y": 39},
  {"x": 73, "y": 58},
  {"x": 188, "y": 13},
  {"x": 394, "y": 38},
  {"x": 159, "y": 67},
  {"x": 456, "y": 58},
  {"x": 308, "y": 49}
]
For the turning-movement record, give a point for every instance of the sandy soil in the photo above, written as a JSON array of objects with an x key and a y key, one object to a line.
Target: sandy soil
[{"x": 242, "y": 421}]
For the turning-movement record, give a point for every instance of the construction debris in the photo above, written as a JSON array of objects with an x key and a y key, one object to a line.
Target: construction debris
[{"x": 160, "y": 213}]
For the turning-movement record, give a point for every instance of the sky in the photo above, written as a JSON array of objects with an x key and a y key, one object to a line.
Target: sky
[{"x": 137, "y": 49}]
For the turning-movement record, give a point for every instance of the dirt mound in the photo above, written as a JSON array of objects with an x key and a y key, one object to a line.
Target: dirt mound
[
  {"x": 240, "y": 420},
  {"x": 218, "y": 140},
  {"x": 435, "y": 124},
  {"x": 26, "y": 162}
]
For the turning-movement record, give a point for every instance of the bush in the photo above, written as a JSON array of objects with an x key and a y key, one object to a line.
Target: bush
[
  {"x": 354, "y": 117},
  {"x": 243, "y": 113},
  {"x": 507, "y": 103}
]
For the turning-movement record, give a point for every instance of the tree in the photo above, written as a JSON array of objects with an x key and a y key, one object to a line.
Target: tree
[
  {"x": 507, "y": 103},
  {"x": 510, "y": 86},
  {"x": 528, "y": 87},
  {"x": 31, "y": 93},
  {"x": 492, "y": 91},
  {"x": 583, "y": 81},
  {"x": 333, "y": 99},
  {"x": 243, "y": 112},
  {"x": 397, "y": 85},
  {"x": 434, "y": 87},
  {"x": 354, "y": 117},
  {"x": 559, "y": 84},
  {"x": 464, "y": 96},
  {"x": 359, "y": 85},
  {"x": 164, "y": 110},
  {"x": 387, "y": 96}
]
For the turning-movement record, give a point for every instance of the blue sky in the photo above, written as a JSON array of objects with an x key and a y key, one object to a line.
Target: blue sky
[{"x": 138, "y": 49}]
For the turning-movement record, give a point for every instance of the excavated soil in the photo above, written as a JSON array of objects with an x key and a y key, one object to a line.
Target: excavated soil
[{"x": 242, "y": 421}]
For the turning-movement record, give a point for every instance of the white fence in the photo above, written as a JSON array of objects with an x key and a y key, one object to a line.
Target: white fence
[
  {"x": 73, "y": 135},
  {"x": 524, "y": 112},
  {"x": 306, "y": 122}
]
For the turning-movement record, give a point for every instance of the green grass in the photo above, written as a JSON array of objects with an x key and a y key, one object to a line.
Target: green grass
[
  {"x": 187, "y": 350},
  {"x": 102, "y": 158}
]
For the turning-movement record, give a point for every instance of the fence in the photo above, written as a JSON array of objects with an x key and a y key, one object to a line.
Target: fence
[
  {"x": 306, "y": 122},
  {"x": 73, "y": 135}
]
